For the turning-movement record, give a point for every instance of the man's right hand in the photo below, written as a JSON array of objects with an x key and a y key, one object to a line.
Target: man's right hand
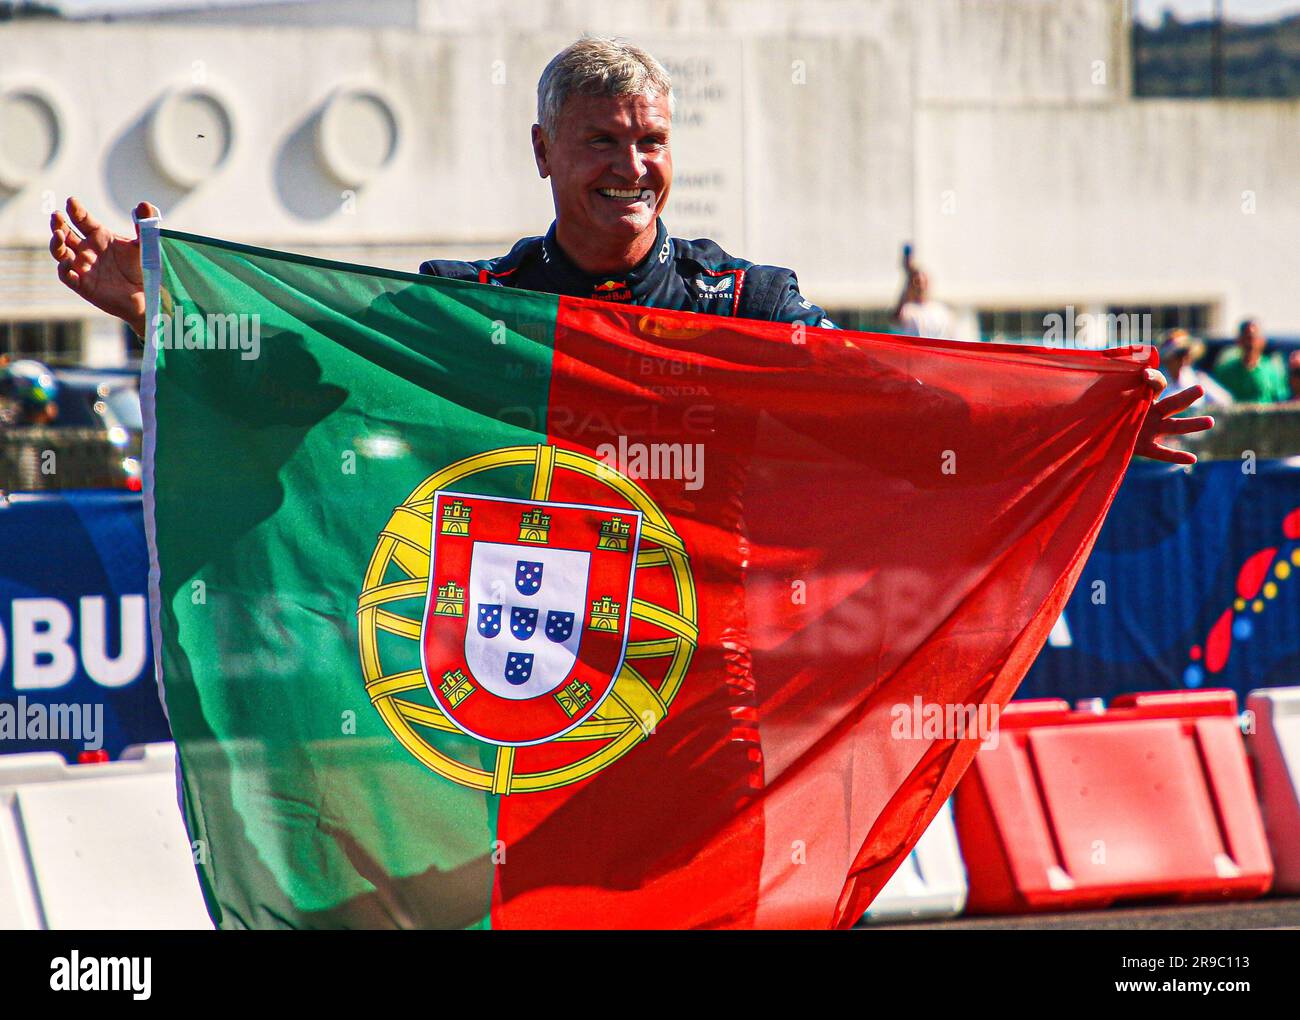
[{"x": 100, "y": 266}]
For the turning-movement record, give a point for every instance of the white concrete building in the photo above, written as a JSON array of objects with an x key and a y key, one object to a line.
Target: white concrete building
[{"x": 998, "y": 136}]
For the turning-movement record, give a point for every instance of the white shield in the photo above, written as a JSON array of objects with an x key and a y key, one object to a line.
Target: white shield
[{"x": 563, "y": 589}]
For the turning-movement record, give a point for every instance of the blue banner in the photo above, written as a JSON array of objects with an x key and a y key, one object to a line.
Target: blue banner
[
  {"x": 76, "y": 659},
  {"x": 1194, "y": 582}
]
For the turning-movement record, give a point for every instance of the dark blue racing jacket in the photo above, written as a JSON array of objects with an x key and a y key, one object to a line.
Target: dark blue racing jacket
[{"x": 692, "y": 276}]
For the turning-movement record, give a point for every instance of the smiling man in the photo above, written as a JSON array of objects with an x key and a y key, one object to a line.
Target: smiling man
[{"x": 603, "y": 138}]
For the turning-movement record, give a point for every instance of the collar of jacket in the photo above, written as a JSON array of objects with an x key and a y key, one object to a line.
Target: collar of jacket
[{"x": 627, "y": 287}]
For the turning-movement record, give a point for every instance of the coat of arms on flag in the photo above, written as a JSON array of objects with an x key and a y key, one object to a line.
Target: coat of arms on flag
[
  {"x": 526, "y": 623},
  {"x": 555, "y": 630}
]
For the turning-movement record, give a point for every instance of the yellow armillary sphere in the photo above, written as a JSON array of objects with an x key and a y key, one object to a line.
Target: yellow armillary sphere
[{"x": 522, "y": 643}]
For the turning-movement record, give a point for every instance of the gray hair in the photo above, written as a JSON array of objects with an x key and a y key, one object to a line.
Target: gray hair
[{"x": 598, "y": 67}]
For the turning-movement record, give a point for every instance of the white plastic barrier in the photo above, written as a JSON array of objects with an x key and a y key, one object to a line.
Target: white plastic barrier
[
  {"x": 931, "y": 883},
  {"x": 1274, "y": 748},
  {"x": 97, "y": 846}
]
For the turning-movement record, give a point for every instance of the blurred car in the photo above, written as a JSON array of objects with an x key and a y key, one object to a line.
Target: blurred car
[{"x": 108, "y": 400}]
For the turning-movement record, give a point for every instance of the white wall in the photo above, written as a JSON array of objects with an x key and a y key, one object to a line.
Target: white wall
[{"x": 1134, "y": 201}]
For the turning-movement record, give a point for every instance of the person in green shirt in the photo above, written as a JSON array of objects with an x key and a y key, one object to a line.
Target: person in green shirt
[{"x": 1247, "y": 374}]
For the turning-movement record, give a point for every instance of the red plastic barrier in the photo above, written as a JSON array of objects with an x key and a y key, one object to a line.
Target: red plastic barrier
[{"x": 1150, "y": 799}]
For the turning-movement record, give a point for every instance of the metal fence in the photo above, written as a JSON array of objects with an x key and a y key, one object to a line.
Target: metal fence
[{"x": 41, "y": 458}]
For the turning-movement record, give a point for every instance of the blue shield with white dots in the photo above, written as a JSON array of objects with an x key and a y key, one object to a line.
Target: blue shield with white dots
[
  {"x": 528, "y": 577},
  {"x": 559, "y": 626},
  {"x": 523, "y": 621},
  {"x": 489, "y": 621},
  {"x": 519, "y": 668}
]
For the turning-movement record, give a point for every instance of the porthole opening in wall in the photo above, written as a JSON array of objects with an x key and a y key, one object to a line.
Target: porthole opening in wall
[
  {"x": 31, "y": 135},
  {"x": 191, "y": 134},
  {"x": 357, "y": 134}
]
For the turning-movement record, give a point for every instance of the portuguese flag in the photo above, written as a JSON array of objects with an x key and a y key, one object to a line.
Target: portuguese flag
[{"x": 477, "y": 607}]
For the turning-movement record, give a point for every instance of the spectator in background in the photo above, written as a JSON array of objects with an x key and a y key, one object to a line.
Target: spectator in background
[
  {"x": 1179, "y": 352},
  {"x": 1247, "y": 374},
  {"x": 1293, "y": 374},
  {"x": 30, "y": 391},
  {"x": 915, "y": 313},
  {"x": 28, "y": 400}
]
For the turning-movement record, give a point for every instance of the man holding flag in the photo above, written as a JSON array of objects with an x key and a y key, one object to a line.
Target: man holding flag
[
  {"x": 881, "y": 519},
  {"x": 603, "y": 137}
]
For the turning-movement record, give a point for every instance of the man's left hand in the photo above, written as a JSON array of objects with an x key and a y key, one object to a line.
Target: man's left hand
[{"x": 1160, "y": 421}]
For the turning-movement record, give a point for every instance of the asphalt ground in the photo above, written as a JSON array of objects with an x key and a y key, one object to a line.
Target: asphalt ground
[{"x": 1274, "y": 913}]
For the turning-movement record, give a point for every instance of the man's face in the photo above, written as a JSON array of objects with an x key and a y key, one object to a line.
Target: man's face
[
  {"x": 1251, "y": 339},
  {"x": 1174, "y": 361},
  {"x": 610, "y": 164},
  {"x": 920, "y": 285}
]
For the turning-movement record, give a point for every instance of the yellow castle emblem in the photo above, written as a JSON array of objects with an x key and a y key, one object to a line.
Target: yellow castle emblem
[
  {"x": 534, "y": 527},
  {"x": 450, "y": 600},
  {"x": 615, "y": 533},
  {"x": 456, "y": 687},
  {"x": 455, "y": 518},
  {"x": 605, "y": 614},
  {"x": 574, "y": 697}
]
